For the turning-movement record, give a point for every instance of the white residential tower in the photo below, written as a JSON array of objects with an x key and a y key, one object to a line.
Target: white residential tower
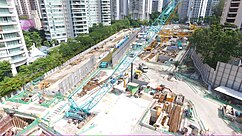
[{"x": 12, "y": 44}]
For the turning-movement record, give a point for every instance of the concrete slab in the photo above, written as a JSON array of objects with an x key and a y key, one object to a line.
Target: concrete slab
[{"x": 117, "y": 115}]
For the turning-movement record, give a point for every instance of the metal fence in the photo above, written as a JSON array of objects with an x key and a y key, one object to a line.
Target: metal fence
[
  {"x": 227, "y": 75},
  {"x": 118, "y": 54}
]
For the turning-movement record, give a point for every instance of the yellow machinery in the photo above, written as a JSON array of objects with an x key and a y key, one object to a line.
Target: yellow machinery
[
  {"x": 151, "y": 46},
  {"x": 44, "y": 85},
  {"x": 137, "y": 74},
  {"x": 192, "y": 27},
  {"x": 123, "y": 78}
]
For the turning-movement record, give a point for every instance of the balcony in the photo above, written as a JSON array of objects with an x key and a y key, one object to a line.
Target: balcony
[
  {"x": 76, "y": 3},
  {"x": 6, "y": 14},
  {"x": 9, "y": 31},
  {"x": 10, "y": 39},
  {"x": 20, "y": 61},
  {"x": 15, "y": 53},
  {"x": 233, "y": 1},
  {"x": 8, "y": 23},
  {"x": 5, "y": 5},
  {"x": 3, "y": 55},
  {"x": 14, "y": 46}
]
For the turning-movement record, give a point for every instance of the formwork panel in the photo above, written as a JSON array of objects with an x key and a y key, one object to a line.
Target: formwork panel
[{"x": 236, "y": 85}]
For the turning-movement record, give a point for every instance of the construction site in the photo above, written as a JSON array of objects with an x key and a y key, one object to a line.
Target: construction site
[{"x": 125, "y": 84}]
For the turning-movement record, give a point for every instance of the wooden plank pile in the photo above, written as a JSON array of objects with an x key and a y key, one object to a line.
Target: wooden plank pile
[{"x": 175, "y": 118}]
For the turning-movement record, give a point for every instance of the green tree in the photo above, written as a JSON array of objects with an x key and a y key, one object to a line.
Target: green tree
[
  {"x": 218, "y": 9},
  {"x": 5, "y": 70},
  {"x": 47, "y": 43},
  {"x": 27, "y": 39},
  {"x": 175, "y": 17},
  {"x": 53, "y": 42},
  {"x": 36, "y": 39},
  {"x": 40, "y": 32},
  {"x": 65, "y": 50},
  {"x": 216, "y": 44},
  {"x": 176, "y": 64},
  {"x": 32, "y": 37}
]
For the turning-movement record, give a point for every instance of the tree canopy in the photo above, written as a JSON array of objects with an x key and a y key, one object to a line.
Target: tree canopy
[
  {"x": 217, "y": 10},
  {"x": 32, "y": 37},
  {"x": 5, "y": 70},
  {"x": 217, "y": 44}
]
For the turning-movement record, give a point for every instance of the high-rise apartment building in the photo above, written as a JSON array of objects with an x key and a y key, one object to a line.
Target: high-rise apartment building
[
  {"x": 119, "y": 9},
  {"x": 105, "y": 12},
  {"x": 199, "y": 8},
  {"x": 29, "y": 9},
  {"x": 76, "y": 17},
  {"x": 54, "y": 21},
  {"x": 23, "y": 8},
  {"x": 69, "y": 18},
  {"x": 157, "y": 5},
  {"x": 232, "y": 12},
  {"x": 35, "y": 5},
  {"x": 192, "y": 9},
  {"x": 141, "y": 9},
  {"x": 12, "y": 44},
  {"x": 183, "y": 9},
  {"x": 93, "y": 12},
  {"x": 211, "y": 4}
]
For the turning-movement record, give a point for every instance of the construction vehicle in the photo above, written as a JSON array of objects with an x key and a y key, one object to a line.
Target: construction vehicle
[
  {"x": 81, "y": 112},
  {"x": 230, "y": 113},
  {"x": 162, "y": 87},
  {"x": 103, "y": 65},
  {"x": 143, "y": 67},
  {"x": 192, "y": 26},
  {"x": 44, "y": 85},
  {"x": 137, "y": 74},
  {"x": 188, "y": 111}
]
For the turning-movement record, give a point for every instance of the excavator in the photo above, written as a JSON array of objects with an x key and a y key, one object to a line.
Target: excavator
[
  {"x": 162, "y": 87},
  {"x": 44, "y": 85}
]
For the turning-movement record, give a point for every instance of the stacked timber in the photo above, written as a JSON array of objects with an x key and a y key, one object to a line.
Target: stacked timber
[
  {"x": 169, "y": 108},
  {"x": 175, "y": 119}
]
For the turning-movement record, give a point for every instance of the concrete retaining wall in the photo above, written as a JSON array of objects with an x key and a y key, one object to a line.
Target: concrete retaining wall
[
  {"x": 74, "y": 78},
  {"x": 225, "y": 75}
]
